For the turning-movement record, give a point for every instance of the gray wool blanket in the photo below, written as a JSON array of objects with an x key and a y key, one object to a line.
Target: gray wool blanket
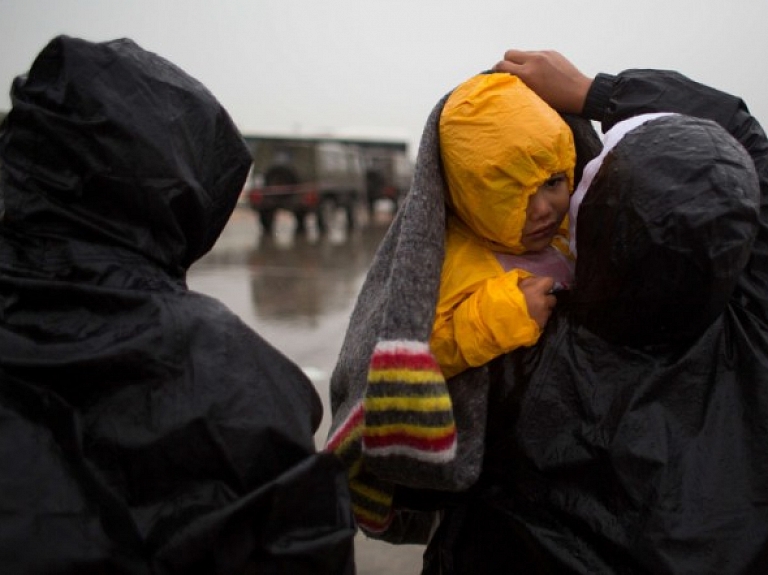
[{"x": 397, "y": 304}]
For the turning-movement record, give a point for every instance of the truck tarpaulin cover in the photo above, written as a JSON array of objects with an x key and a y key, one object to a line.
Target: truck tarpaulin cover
[
  {"x": 143, "y": 428},
  {"x": 633, "y": 437}
]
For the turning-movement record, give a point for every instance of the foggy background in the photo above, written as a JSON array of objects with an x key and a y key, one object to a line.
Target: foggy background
[
  {"x": 371, "y": 68},
  {"x": 376, "y": 67}
]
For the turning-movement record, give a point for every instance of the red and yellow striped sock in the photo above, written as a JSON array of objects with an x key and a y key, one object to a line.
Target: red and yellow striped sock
[
  {"x": 371, "y": 497},
  {"x": 408, "y": 409}
]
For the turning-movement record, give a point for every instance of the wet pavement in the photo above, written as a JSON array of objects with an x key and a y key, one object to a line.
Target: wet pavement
[{"x": 297, "y": 291}]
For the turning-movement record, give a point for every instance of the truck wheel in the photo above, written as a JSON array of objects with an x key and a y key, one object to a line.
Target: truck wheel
[
  {"x": 267, "y": 219},
  {"x": 325, "y": 214},
  {"x": 301, "y": 222}
]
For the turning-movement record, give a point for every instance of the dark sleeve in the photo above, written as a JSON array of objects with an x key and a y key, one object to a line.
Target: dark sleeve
[
  {"x": 614, "y": 98},
  {"x": 632, "y": 92},
  {"x": 598, "y": 96}
]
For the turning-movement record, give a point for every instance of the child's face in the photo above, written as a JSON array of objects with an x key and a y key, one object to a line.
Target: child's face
[{"x": 545, "y": 212}]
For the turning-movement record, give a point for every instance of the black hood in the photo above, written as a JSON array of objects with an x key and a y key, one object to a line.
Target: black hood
[
  {"x": 113, "y": 145},
  {"x": 118, "y": 171},
  {"x": 144, "y": 428},
  {"x": 664, "y": 232}
]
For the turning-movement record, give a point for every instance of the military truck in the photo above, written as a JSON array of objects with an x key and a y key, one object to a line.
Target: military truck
[
  {"x": 304, "y": 175},
  {"x": 318, "y": 175}
]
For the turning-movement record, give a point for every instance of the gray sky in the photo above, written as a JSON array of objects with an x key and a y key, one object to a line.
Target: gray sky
[{"x": 378, "y": 66}]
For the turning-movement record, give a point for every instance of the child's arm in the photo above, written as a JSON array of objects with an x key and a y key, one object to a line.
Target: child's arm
[{"x": 504, "y": 313}]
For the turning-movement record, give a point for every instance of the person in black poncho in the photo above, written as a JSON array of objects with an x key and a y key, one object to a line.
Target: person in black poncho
[
  {"x": 143, "y": 428},
  {"x": 632, "y": 438}
]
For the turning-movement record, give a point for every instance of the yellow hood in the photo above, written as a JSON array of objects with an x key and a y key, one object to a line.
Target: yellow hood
[{"x": 499, "y": 142}]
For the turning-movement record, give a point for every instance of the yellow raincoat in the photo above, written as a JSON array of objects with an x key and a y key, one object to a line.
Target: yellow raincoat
[{"x": 499, "y": 143}]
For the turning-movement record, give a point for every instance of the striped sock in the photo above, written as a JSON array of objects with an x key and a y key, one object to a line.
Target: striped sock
[
  {"x": 408, "y": 410},
  {"x": 371, "y": 502},
  {"x": 371, "y": 497}
]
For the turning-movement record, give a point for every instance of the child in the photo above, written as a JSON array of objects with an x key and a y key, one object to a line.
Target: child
[{"x": 508, "y": 160}]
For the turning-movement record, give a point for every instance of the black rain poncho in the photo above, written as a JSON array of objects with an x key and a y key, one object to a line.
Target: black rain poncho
[
  {"x": 632, "y": 439},
  {"x": 143, "y": 428}
]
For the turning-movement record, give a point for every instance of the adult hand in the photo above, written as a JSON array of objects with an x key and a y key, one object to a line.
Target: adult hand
[
  {"x": 538, "y": 297},
  {"x": 554, "y": 78}
]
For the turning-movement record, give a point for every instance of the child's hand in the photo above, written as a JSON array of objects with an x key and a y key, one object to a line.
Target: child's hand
[{"x": 538, "y": 297}]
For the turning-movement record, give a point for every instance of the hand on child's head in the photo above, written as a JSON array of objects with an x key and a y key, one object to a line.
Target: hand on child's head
[{"x": 538, "y": 297}]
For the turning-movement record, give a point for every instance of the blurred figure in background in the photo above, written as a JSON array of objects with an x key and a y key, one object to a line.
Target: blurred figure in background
[{"x": 143, "y": 428}]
